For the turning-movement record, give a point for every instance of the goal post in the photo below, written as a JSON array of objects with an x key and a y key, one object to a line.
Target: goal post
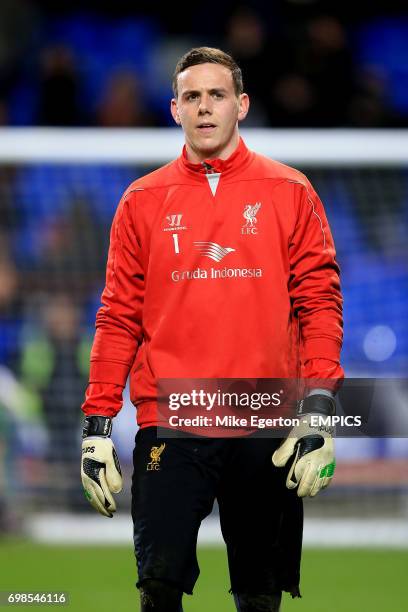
[{"x": 155, "y": 146}]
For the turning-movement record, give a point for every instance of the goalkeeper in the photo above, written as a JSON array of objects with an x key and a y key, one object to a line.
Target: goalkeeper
[{"x": 169, "y": 312}]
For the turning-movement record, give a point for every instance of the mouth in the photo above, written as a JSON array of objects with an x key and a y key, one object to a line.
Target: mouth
[{"x": 206, "y": 127}]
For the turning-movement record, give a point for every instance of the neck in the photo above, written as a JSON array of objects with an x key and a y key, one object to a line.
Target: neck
[{"x": 196, "y": 156}]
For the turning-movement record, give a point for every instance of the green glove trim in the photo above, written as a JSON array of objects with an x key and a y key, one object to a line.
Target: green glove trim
[{"x": 328, "y": 470}]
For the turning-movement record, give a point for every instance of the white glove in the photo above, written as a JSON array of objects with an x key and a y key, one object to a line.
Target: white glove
[
  {"x": 100, "y": 468},
  {"x": 312, "y": 446}
]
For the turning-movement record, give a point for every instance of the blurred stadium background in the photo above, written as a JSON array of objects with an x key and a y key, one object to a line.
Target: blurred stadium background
[{"x": 84, "y": 95}]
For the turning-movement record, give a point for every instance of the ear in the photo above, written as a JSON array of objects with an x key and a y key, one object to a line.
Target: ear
[
  {"x": 243, "y": 106},
  {"x": 174, "y": 111}
]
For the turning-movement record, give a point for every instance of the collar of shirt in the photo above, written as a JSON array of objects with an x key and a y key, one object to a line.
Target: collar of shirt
[{"x": 234, "y": 164}]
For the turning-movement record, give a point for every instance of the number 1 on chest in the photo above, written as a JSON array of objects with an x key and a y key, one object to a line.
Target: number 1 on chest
[{"x": 176, "y": 244}]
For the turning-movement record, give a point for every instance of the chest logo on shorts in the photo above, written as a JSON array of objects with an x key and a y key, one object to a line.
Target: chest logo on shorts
[
  {"x": 155, "y": 453},
  {"x": 249, "y": 214}
]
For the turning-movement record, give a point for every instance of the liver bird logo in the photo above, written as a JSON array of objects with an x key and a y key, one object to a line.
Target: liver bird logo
[
  {"x": 250, "y": 212},
  {"x": 156, "y": 452}
]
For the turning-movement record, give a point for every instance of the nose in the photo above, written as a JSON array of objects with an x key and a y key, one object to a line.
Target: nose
[{"x": 205, "y": 105}]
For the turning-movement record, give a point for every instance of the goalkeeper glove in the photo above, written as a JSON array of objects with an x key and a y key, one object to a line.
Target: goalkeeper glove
[
  {"x": 100, "y": 468},
  {"x": 312, "y": 445}
]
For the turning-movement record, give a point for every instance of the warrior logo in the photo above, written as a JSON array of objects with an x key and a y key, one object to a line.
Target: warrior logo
[
  {"x": 174, "y": 223},
  {"x": 174, "y": 220},
  {"x": 250, "y": 212},
  {"x": 155, "y": 453},
  {"x": 213, "y": 250}
]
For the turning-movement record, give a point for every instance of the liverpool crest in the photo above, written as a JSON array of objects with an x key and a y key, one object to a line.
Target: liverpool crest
[
  {"x": 155, "y": 453},
  {"x": 249, "y": 214}
]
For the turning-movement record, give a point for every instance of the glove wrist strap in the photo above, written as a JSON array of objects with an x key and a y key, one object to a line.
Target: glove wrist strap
[
  {"x": 97, "y": 426},
  {"x": 317, "y": 404}
]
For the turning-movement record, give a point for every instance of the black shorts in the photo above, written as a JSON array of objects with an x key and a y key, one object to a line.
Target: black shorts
[{"x": 173, "y": 490}]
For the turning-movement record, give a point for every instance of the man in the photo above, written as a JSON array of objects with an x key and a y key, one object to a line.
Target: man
[{"x": 276, "y": 307}]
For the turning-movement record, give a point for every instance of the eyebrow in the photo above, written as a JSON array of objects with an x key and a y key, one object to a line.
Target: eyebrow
[{"x": 188, "y": 92}]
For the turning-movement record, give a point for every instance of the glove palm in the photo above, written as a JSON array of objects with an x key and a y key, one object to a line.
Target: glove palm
[
  {"x": 101, "y": 474},
  {"x": 312, "y": 446}
]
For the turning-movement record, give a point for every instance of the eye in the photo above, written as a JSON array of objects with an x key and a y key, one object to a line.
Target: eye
[
  {"x": 191, "y": 97},
  {"x": 218, "y": 95}
]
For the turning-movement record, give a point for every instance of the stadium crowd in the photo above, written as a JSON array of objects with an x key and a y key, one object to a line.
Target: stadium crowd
[{"x": 305, "y": 64}]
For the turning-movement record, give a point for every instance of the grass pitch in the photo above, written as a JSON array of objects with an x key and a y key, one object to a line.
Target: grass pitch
[{"x": 102, "y": 578}]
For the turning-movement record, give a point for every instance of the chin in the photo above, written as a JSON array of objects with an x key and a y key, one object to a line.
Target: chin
[{"x": 208, "y": 146}]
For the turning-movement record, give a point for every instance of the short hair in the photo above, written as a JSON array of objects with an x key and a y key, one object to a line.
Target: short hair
[{"x": 210, "y": 55}]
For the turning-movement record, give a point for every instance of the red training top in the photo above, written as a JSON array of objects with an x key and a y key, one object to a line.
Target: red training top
[{"x": 222, "y": 269}]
